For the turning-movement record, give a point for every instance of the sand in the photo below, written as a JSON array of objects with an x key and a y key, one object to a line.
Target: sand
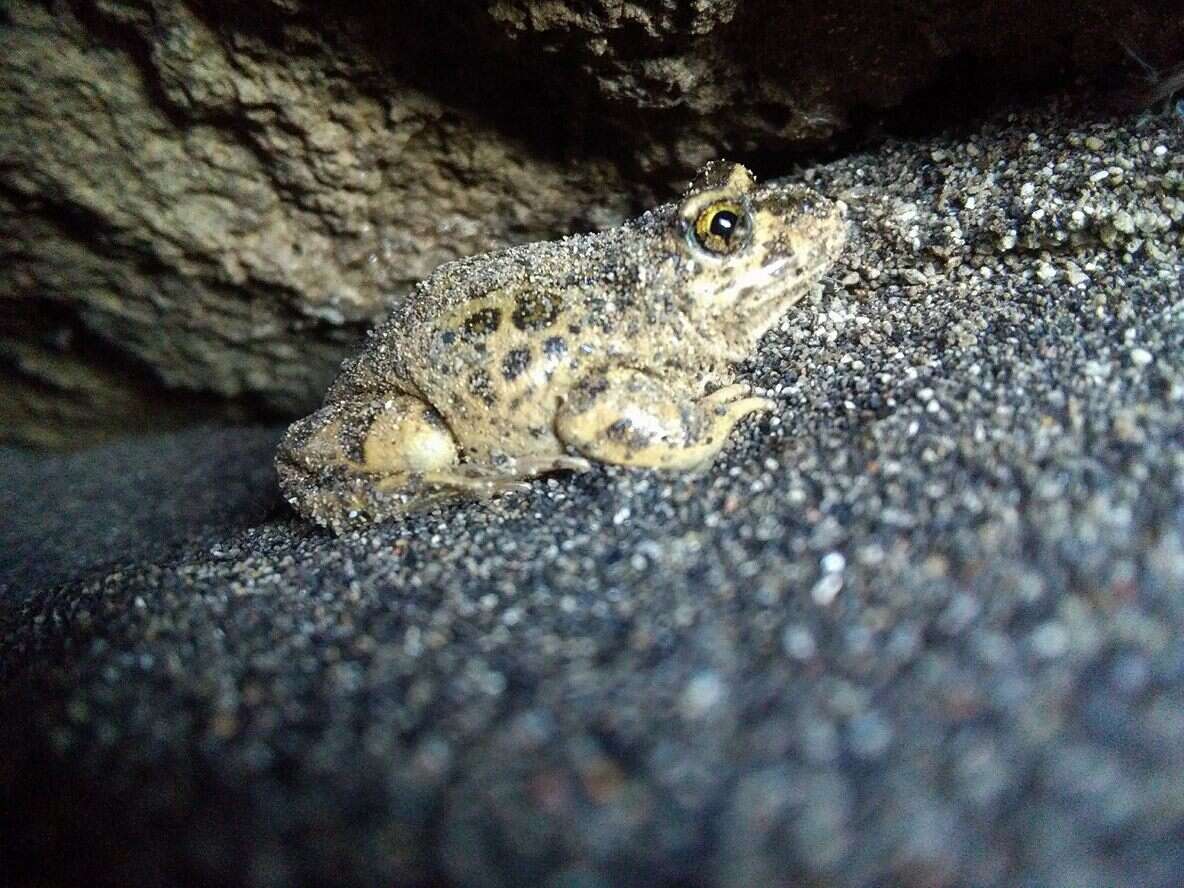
[{"x": 921, "y": 627}]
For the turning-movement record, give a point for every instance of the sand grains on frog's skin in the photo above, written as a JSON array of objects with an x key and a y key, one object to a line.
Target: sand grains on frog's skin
[{"x": 499, "y": 344}]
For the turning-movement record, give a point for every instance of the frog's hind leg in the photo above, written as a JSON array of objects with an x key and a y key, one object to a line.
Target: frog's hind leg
[
  {"x": 364, "y": 459},
  {"x": 416, "y": 456},
  {"x": 407, "y": 437}
]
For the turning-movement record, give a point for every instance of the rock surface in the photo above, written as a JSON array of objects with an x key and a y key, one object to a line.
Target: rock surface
[
  {"x": 201, "y": 204},
  {"x": 922, "y": 627}
]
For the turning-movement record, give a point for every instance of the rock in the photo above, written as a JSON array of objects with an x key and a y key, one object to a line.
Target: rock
[
  {"x": 921, "y": 627},
  {"x": 202, "y": 205},
  {"x": 227, "y": 215}
]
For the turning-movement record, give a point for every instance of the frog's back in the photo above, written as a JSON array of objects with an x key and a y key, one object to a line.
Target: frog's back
[
  {"x": 492, "y": 342},
  {"x": 403, "y": 342}
]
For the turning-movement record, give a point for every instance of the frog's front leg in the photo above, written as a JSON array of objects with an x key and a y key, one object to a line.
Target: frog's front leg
[{"x": 631, "y": 418}]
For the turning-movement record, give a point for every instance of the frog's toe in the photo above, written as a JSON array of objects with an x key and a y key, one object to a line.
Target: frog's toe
[
  {"x": 474, "y": 483},
  {"x": 728, "y": 393},
  {"x": 732, "y": 412},
  {"x": 532, "y": 466}
]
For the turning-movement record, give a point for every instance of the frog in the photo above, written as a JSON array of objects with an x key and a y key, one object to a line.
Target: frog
[{"x": 615, "y": 347}]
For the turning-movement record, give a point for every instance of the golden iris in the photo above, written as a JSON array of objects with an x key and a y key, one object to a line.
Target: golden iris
[{"x": 722, "y": 227}]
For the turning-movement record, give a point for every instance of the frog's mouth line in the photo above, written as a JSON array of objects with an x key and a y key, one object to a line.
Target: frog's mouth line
[
  {"x": 782, "y": 294},
  {"x": 773, "y": 284},
  {"x": 761, "y": 278}
]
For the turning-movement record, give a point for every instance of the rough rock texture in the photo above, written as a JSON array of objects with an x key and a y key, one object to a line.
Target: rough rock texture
[
  {"x": 922, "y": 627},
  {"x": 201, "y": 203},
  {"x": 228, "y": 211}
]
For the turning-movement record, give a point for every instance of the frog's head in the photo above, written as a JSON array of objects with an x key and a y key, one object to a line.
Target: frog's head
[{"x": 755, "y": 249}]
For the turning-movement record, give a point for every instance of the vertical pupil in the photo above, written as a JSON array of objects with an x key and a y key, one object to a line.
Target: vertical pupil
[{"x": 723, "y": 224}]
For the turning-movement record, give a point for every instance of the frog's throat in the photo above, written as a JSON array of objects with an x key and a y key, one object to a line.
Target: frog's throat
[
  {"x": 774, "y": 292},
  {"x": 761, "y": 316}
]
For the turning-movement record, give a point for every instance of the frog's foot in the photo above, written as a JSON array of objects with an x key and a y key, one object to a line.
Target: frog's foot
[
  {"x": 733, "y": 403},
  {"x": 474, "y": 484},
  {"x": 508, "y": 475},
  {"x": 630, "y": 418},
  {"x": 533, "y": 466},
  {"x": 736, "y": 398}
]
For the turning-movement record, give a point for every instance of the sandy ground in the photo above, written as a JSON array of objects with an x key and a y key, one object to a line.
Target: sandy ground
[{"x": 921, "y": 627}]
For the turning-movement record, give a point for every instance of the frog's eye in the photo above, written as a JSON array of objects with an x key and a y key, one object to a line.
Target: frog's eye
[{"x": 722, "y": 227}]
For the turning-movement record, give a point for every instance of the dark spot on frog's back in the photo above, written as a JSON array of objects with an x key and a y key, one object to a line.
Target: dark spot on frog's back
[
  {"x": 481, "y": 386},
  {"x": 534, "y": 311},
  {"x": 588, "y": 390},
  {"x": 555, "y": 347},
  {"x": 599, "y": 315},
  {"x": 515, "y": 361},
  {"x": 481, "y": 323}
]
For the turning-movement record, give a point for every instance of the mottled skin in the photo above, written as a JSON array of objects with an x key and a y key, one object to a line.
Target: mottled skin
[{"x": 612, "y": 347}]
